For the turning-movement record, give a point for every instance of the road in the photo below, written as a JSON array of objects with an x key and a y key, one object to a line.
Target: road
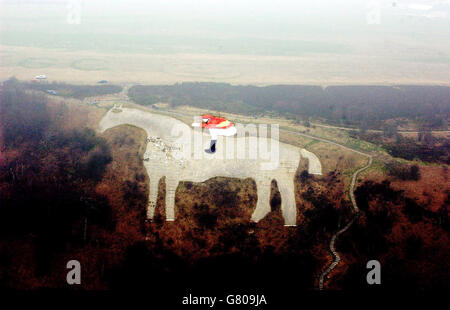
[{"x": 375, "y": 130}]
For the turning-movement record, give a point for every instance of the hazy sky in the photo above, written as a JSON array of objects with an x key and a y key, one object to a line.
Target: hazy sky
[
  {"x": 283, "y": 11},
  {"x": 419, "y": 21},
  {"x": 384, "y": 35}
]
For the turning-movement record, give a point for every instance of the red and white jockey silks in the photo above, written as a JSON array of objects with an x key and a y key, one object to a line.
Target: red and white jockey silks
[
  {"x": 218, "y": 126},
  {"x": 209, "y": 121}
]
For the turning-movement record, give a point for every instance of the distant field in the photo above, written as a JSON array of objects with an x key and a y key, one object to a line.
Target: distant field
[
  {"x": 139, "y": 66},
  {"x": 36, "y": 63},
  {"x": 90, "y": 64}
]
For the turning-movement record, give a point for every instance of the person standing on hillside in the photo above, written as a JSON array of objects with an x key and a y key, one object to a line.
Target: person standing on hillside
[{"x": 218, "y": 126}]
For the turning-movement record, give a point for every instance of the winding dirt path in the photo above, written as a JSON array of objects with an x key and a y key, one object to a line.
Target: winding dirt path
[{"x": 332, "y": 248}]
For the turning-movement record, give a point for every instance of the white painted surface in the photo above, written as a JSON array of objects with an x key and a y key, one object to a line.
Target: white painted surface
[{"x": 172, "y": 153}]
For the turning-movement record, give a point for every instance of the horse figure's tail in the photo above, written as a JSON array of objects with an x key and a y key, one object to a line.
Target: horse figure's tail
[{"x": 314, "y": 165}]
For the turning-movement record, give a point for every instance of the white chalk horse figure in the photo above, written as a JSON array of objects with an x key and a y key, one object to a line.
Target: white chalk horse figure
[{"x": 171, "y": 152}]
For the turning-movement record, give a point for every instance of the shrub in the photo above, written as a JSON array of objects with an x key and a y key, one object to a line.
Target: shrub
[{"x": 403, "y": 172}]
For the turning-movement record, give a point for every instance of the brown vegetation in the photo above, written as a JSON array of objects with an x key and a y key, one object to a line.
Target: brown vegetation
[
  {"x": 426, "y": 147},
  {"x": 67, "y": 193},
  {"x": 408, "y": 235},
  {"x": 97, "y": 212}
]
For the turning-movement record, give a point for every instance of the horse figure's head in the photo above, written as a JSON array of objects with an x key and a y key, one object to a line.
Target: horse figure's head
[
  {"x": 167, "y": 137},
  {"x": 155, "y": 125}
]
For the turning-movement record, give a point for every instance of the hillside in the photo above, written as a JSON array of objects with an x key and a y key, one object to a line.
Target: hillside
[{"x": 98, "y": 215}]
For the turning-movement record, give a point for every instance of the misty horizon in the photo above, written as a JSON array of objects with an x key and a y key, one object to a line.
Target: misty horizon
[{"x": 318, "y": 42}]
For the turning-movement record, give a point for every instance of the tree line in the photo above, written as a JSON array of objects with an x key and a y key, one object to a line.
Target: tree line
[
  {"x": 358, "y": 106},
  {"x": 72, "y": 90}
]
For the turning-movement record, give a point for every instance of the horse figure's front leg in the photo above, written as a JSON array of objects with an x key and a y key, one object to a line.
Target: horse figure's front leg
[
  {"x": 171, "y": 188},
  {"x": 153, "y": 196}
]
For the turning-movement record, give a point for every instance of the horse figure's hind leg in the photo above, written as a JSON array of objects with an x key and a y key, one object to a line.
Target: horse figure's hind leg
[
  {"x": 171, "y": 187},
  {"x": 263, "y": 202},
  {"x": 288, "y": 206}
]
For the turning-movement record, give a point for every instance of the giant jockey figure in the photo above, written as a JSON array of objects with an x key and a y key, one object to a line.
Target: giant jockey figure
[{"x": 218, "y": 126}]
